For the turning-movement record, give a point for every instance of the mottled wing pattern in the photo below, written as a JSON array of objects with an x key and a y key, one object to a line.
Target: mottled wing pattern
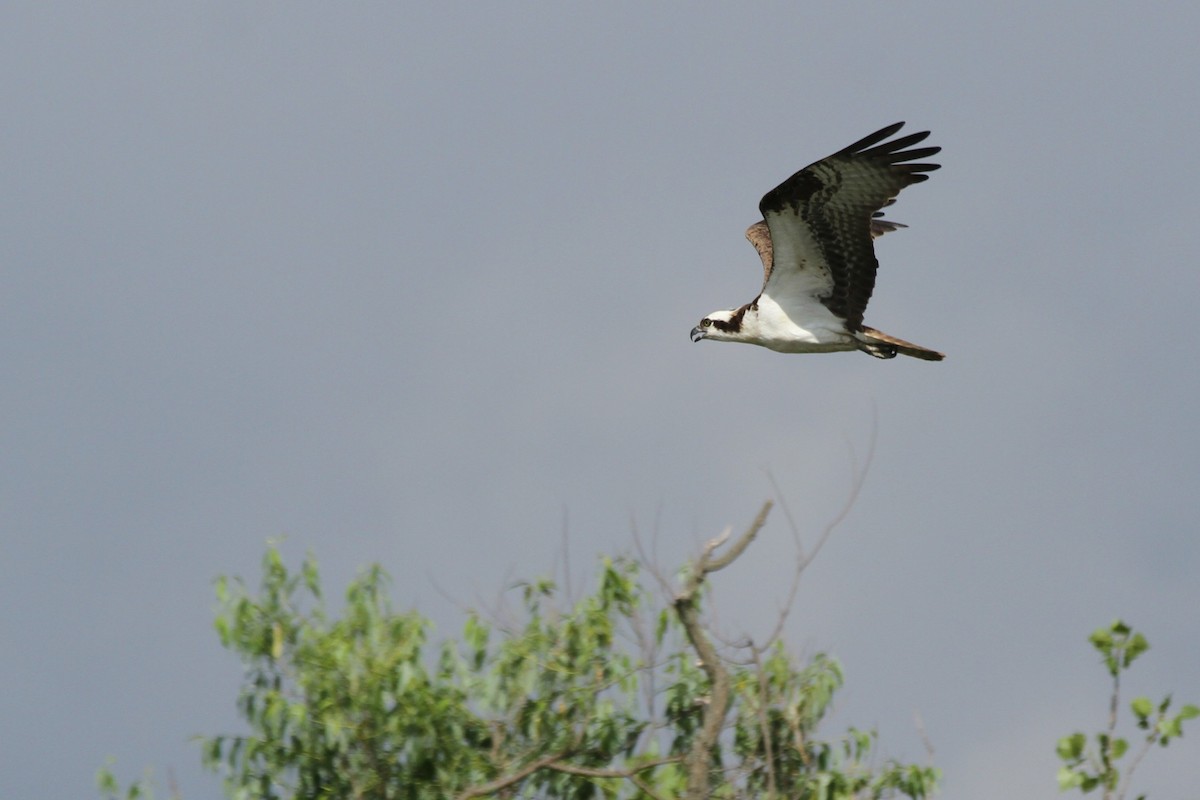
[
  {"x": 759, "y": 235},
  {"x": 822, "y": 220}
]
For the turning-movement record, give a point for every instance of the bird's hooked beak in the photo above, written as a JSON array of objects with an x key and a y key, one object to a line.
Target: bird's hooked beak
[{"x": 697, "y": 333}]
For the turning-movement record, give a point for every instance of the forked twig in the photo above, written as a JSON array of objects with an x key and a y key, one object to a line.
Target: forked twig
[{"x": 699, "y": 760}]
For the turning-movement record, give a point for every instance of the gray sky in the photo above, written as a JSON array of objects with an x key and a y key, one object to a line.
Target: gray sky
[{"x": 413, "y": 284}]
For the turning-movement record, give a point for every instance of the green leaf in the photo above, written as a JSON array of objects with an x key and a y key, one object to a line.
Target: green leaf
[
  {"x": 312, "y": 578},
  {"x": 1068, "y": 778},
  {"x": 1171, "y": 728},
  {"x": 1142, "y": 707},
  {"x": 1070, "y": 748},
  {"x": 106, "y": 782},
  {"x": 1101, "y": 639},
  {"x": 1135, "y": 647},
  {"x": 660, "y": 630}
]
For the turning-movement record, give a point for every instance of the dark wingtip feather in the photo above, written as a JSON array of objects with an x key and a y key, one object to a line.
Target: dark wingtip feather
[
  {"x": 920, "y": 152},
  {"x": 895, "y": 146},
  {"x": 873, "y": 151},
  {"x": 875, "y": 138}
]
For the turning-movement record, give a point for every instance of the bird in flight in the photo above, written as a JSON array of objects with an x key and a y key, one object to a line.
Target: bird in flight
[{"x": 816, "y": 245}]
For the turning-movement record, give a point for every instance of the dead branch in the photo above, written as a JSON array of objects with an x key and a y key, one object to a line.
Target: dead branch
[
  {"x": 699, "y": 760},
  {"x": 802, "y": 559}
]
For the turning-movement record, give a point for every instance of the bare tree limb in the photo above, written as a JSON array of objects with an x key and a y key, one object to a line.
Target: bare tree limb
[
  {"x": 501, "y": 783},
  {"x": 594, "y": 772},
  {"x": 699, "y": 760}
]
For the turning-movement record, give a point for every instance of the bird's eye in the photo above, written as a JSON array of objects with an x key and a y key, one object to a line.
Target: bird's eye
[{"x": 704, "y": 323}]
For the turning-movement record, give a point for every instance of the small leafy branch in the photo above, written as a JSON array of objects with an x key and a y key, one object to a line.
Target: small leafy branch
[{"x": 1087, "y": 768}]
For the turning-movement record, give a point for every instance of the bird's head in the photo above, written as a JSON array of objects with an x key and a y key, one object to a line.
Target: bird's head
[{"x": 720, "y": 326}]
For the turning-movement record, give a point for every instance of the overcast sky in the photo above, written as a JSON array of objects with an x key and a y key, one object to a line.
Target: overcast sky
[{"x": 413, "y": 284}]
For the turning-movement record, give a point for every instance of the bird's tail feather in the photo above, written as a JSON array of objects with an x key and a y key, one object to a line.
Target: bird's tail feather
[{"x": 881, "y": 345}]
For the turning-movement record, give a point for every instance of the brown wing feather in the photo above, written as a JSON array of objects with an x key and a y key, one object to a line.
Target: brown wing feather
[
  {"x": 759, "y": 235},
  {"x": 907, "y": 348},
  {"x": 831, "y": 205}
]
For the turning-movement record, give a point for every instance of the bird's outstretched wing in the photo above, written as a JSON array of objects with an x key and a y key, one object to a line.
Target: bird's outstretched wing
[
  {"x": 759, "y": 235},
  {"x": 816, "y": 238}
]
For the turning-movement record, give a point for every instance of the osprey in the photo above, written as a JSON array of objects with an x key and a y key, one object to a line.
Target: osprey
[{"x": 815, "y": 242}]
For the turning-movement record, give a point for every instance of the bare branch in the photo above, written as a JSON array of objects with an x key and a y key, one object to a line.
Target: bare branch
[
  {"x": 925, "y": 740},
  {"x": 699, "y": 760},
  {"x": 787, "y": 514},
  {"x": 593, "y": 772},
  {"x": 802, "y": 560},
  {"x": 504, "y": 782},
  {"x": 650, "y": 560},
  {"x": 1151, "y": 739},
  {"x": 555, "y": 763},
  {"x": 739, "y": 547}
]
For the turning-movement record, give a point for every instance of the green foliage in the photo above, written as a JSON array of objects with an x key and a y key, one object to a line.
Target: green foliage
[
  {"x": 338, "y": 708},
  {"x": 600, "y": 698},
  {"x": 1097, "y": 767},
  {"x": 110, "y": 788},
  {"x": 1119, "y": 646}
]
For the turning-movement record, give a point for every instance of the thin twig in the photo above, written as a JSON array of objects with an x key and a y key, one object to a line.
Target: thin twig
[
  {"x": 802, "y": 560},
  {"x": 650, "y": 560},
  {"x": 1112, "y": 729},
  {"x": 925, "y": 740},
  {"x": 787, "y": 513},
  {"x": 566, "y": 556},
  {"x": 1137, "y": 759}
]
